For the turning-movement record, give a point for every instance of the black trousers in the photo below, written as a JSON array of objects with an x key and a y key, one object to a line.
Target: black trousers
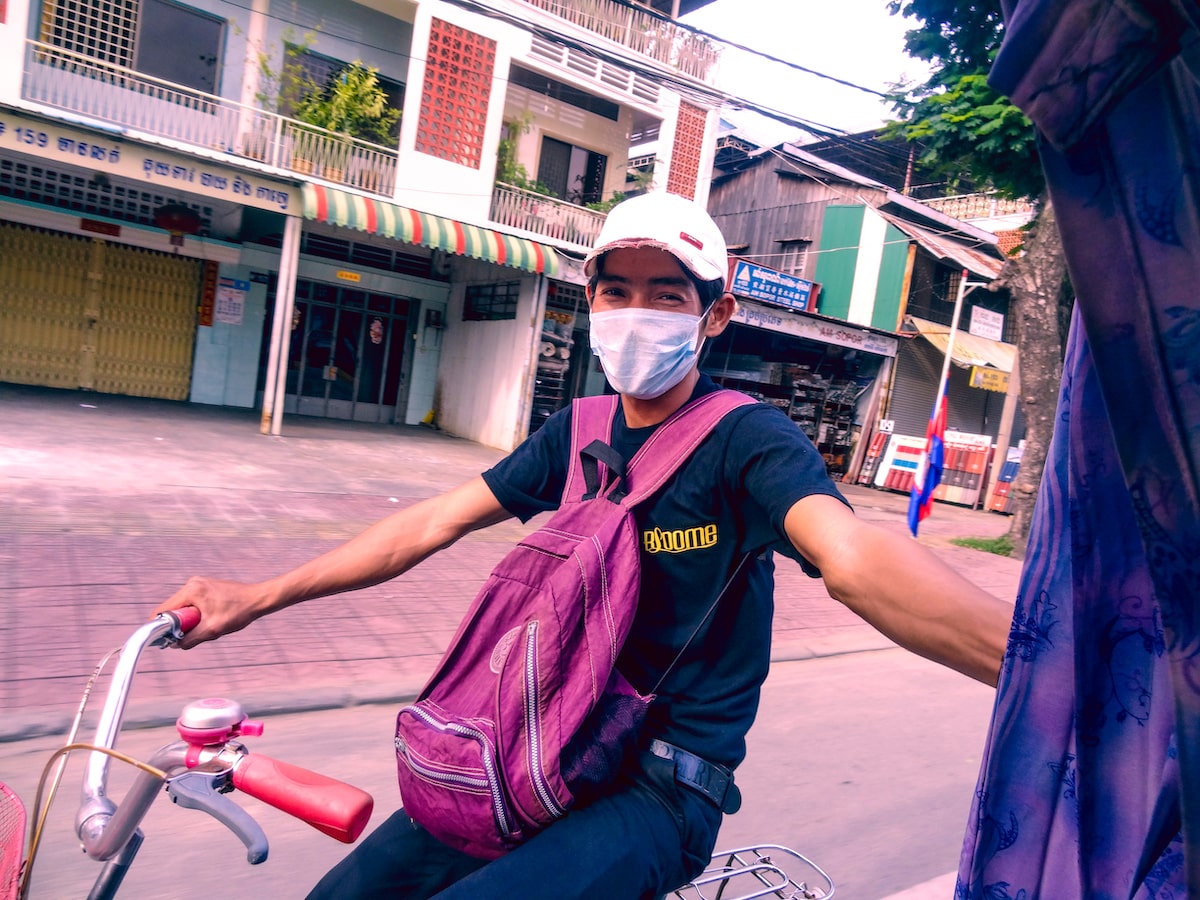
[{"x": 644, "y": 838}]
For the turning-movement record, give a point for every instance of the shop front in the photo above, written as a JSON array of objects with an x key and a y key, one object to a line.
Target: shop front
[{"x": 827, "y": 375}]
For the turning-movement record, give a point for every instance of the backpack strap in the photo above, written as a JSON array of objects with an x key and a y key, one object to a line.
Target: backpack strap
[
  {"x": 679, "y": 436},
  {"x": 675, "y": 440},
  {"x": 591, "y": 423}
]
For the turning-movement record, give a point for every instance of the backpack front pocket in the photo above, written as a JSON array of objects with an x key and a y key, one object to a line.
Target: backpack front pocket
[{"x": 449, "y": 779}]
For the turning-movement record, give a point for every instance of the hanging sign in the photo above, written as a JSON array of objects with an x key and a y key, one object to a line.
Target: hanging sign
[
  {"x": 989, "y": 379},
  {"x": 770, "y": 286}
]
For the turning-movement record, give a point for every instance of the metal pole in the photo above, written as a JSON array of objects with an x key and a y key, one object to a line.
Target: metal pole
[
  {"x": 958, "y": 301},
  {"x": 285, "y": 297}
]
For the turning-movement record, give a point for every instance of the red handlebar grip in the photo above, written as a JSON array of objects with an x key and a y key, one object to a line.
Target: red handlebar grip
[
  {"x": 332, "y": 807},
  {"x": 188, "y": 618}
]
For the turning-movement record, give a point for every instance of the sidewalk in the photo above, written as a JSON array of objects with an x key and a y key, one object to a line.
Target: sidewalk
[{"x": 110, "y": 503}]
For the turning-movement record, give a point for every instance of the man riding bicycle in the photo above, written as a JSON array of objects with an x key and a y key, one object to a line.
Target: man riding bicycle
[{"x": 756, "y": 484}]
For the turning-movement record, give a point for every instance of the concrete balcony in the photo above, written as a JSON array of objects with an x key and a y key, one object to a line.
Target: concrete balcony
[
  {"x": 648, "y": 35},
  {"x": 545, "y": 216},
  {"x": 135, "y": 102}
]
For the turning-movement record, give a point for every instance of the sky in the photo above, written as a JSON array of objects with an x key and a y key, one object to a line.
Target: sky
[{"x": 854, "y": 40}]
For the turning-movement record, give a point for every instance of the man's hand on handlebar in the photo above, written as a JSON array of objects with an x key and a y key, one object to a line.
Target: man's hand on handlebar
[{"x": 225, "y": 607}]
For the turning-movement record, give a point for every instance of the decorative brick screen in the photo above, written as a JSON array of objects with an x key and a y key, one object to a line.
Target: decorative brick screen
[
  {"x": 454, "y": 97},
  {"x": 685, "y": 153}
]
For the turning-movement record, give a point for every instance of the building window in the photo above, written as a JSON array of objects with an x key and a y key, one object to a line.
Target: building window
[
  {"x": 945, "y": 284},
  {"x": 98, "y": 29},
  {"x": 793, "y": 257},
  {"x": 572, "y": 173},
  {"x": 164, "y": 29},
  {"x": 145, "y": 35},
  {"x": 489, "y": 302},
  {"x": 308, "y": 70}
]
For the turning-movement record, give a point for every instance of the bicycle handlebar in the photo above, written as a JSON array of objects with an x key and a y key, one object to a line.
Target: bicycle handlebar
[{"x": 332, "y": 807}]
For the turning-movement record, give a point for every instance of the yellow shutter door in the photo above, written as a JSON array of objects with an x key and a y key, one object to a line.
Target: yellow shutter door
[
  {"x": 79, "y": 313},
  {"x": 147, "y": 324},
  {"x": 43, "y": 281}
]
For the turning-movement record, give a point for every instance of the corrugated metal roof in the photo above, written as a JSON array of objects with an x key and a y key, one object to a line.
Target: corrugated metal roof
[
  {"x": 969, "y": 349},
  {"x": 947, "y": 248}
]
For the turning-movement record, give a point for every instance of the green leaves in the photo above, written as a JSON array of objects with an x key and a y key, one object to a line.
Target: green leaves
[
  {"x": 352, "y": 103},
  {"x": 965, "y": 127}
]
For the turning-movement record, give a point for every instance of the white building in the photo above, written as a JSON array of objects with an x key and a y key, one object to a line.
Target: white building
[{"x": 173, "y": 224}]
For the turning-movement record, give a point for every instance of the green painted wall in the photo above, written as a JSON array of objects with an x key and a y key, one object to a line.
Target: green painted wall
[
  {"x": 838, "y": 255},
  {"x": 886, "y": 310}
]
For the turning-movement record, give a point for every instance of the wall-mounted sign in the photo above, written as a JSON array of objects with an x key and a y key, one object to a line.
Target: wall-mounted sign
[
  {"x": 989, "y": 379},
  {"x": 165, "y": 170},
  {"x": 986, "y": 324},
  {"x": 208, "y": 292},
  {"x": 761, "y": 283},
  {"x": 800, "y": 325},
  {"x": 349, "y": 276},
  {"x": 231, "y": 301}
]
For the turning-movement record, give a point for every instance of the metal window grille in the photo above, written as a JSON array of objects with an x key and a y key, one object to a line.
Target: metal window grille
[
  {"x": 100, "y": 29},
  {"x": 490, "y": 302},
  {"x": 794, "y": 258}
]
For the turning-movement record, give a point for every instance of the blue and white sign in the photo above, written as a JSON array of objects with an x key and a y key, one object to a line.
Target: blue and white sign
[{"x": 779, "y": 288}]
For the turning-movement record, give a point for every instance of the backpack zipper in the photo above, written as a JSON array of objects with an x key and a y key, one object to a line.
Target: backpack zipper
[
  {"x": 533, "y": 725},
  {"x": 490, "y": 782}
]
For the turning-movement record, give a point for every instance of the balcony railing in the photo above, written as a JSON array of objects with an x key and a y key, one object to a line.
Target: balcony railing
[
  {"x": 544, "y": 215},
  {"x": 663, "y": 41},
  {"x": 966, "y": 207},
  {"x": 138, "y": 102}
]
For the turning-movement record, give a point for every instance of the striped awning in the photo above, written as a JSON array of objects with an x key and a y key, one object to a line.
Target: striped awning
[{"x": 334, "y": 207}]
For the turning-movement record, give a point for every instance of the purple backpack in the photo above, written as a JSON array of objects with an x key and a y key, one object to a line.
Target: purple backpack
[{"x": 526, "y": 709}]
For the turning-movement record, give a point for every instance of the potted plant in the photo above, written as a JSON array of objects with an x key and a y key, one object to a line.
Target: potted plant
[{"x": 352, "y": 105}]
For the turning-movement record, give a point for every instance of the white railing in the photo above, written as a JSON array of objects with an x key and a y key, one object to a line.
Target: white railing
[
  {"x": 660, "y": 40},
  {"x": 544, "y": 215},
  {"x": 138, "y": 102},
  {"x": 966, "y": 207}
]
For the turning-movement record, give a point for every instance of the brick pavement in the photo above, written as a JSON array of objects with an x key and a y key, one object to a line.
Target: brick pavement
[{"x": 110, "y": 503}]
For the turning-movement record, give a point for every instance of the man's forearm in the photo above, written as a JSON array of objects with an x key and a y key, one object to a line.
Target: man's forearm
[{"x": 914, "y": 598}]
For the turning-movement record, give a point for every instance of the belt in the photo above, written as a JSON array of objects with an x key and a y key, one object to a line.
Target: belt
[{"x": 713, "y": 781}]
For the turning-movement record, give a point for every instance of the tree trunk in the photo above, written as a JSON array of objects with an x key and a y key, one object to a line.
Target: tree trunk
[{"x": 1035, "y": 279}]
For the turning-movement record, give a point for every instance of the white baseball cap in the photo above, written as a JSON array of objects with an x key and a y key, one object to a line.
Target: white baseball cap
[{"x": 665, "y": 222}]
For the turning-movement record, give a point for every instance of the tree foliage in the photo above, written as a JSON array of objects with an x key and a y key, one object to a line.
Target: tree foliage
[
  {"x": 967, "y": 129},
  {"x": 971, "y": 132}
]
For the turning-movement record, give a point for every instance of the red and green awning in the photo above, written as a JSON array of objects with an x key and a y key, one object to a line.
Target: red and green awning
[{"x": 334, "y": 207}]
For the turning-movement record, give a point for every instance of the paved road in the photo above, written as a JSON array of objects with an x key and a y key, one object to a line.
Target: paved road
[
  {"x": 876, "y": 791},
  {"x": 111, "y": 503}
]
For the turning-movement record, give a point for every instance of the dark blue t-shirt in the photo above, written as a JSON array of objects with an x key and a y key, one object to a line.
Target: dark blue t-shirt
[{"x": 736, "y": 489}]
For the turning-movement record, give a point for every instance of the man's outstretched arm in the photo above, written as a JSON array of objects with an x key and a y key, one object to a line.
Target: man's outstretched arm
[
  {"x": 385, "y": 550},
  {"x": 902, "y": 588}
]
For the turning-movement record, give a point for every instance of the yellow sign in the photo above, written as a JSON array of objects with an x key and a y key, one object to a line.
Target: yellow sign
[
  {"x": 989, "y": 379},
  {"x": 350, "y": 276}
]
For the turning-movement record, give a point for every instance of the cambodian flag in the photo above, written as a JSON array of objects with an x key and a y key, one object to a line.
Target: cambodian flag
[{"x": 929, "y": 466}]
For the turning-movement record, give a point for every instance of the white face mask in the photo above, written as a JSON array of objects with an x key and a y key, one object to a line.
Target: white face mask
[{"x": 645, "y": 352}]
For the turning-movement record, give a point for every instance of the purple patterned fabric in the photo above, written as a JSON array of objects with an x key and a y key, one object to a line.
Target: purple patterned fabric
[{"x": 1090, "y": 784}]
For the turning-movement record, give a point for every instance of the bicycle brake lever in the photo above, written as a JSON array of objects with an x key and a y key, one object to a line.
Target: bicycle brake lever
[{"x": 199, "y": 790}]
